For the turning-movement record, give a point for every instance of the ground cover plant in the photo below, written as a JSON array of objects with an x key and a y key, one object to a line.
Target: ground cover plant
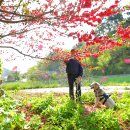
[{"x": 56, "y": 112}]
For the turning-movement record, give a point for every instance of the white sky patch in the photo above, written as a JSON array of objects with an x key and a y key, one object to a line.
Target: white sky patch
[{"x": 24, "y": 63}]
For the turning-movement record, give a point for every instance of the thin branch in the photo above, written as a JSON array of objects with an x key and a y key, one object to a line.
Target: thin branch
[
  {"x": 18, "y": 21},
  {"x": 16, "y": 9},
  {"x": 20, "y": 52},
  {"x": 21, "y": 32},
  {"x": 30, "y": 18},
  {"x": 14, "y": 13}
]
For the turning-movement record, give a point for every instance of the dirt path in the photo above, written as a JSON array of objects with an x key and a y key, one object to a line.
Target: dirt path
[{"x": 108, "y": 89}]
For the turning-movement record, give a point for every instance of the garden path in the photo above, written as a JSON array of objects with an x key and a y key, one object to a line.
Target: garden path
[{"x": 108, "y": 89}]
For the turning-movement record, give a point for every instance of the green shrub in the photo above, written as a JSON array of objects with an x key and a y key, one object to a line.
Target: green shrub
[
  {"x": 34, "y": 123},
  {"x": 88, "y": 97},
  {"x": 42, "y": 105},
  {"x": 10, "y": 119},
  {"x": 102, "y": 120}
]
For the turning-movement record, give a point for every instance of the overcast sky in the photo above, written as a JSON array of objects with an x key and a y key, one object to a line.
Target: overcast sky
[{"x": 23, "y": 63}]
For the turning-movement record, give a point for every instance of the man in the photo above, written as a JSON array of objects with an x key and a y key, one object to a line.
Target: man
[{"x": 74, "y": 74}]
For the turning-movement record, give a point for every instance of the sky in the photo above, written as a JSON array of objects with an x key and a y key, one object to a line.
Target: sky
[{"x": 24, "y": 63}]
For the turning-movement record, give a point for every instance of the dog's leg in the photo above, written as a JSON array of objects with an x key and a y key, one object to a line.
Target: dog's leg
[{"x": 96, "y": 102}]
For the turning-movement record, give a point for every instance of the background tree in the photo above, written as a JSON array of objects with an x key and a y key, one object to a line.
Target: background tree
[
  {"x": 109, "y": 25},
  {"x": 46, "y": 70},
  {"x": 13, "y": 76},
  {"x": 110, "y": 62},
  {"x": 35, "y": 74}
]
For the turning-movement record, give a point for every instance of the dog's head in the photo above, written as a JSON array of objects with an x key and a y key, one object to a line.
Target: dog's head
[{"x": 95, "y": 85}]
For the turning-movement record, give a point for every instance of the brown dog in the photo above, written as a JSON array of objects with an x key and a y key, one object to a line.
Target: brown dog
[{"x": 101, "y": 96}]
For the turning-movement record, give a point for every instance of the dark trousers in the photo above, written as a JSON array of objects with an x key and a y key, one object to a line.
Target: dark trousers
[{"x": 71, "y": 82}]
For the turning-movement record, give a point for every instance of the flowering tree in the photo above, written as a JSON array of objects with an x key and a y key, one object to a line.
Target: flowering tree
[{"x": 32, "y": 27}]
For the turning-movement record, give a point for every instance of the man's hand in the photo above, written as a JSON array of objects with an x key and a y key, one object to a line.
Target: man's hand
[
  {"x": 80, "y": 77},
  {"x": 65, "y": 61}
]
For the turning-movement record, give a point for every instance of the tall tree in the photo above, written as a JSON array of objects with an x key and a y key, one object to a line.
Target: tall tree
[
  {"x": 30, "y": 27},
  {"x": 109, "y": 25}
]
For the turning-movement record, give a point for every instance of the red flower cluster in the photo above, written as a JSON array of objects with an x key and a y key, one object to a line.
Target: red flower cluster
[{"x": 124, "y": 33}]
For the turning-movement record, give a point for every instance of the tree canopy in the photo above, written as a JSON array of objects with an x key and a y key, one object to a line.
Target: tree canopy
[{"x": 31, "y": 27}]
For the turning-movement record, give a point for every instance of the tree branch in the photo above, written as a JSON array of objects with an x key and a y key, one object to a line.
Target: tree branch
[
  {"x": 29, "y": 17},
  {"x": 14, "y": 13},
  {"x": 20, "y": 52},
  {"x": 16, "y": 9}
]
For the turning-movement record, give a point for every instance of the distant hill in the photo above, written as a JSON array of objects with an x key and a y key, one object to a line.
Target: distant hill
[{"x": 5, "y": 72}]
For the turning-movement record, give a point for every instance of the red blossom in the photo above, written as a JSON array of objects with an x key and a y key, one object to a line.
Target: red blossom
[
  {"x": 20, "y": 36},
  {"x": 40, "y": 47},
  {"x": 86, "y": 3},
  {"x": 14, "y": 69},
  {"x": 65, "y": 16}
]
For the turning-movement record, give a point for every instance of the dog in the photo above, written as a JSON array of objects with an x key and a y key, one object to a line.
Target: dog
[
  {"x": 78, "y": 80},
  {"x": 101, "y": 96}
]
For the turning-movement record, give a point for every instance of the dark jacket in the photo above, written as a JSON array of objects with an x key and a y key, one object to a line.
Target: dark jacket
[{"x": 74, "y": 67}]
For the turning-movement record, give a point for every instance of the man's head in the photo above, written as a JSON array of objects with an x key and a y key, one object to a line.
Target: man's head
[{"x": 73, "y": 52}]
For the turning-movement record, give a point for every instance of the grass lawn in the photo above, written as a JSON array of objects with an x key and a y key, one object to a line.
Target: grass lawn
[{"x": 104, "y": 80}]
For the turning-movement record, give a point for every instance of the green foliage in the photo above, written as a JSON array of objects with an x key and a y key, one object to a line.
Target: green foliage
[
  {"x": 104, "y": 59},
  {"x": 110, "y": 61},
  {"x": 9, "y": 118},
  {"x": 63, "y": 114},
  {"x": 102, "y": 120},
  {"x": 126, "y": 22},
  {"x": 13, "y": 76},
  {"x": 115, "y": 80},
  {"x": 41, "y": 105},
  {"x": 34, "y": 123},
  {"x": 125, "y": 115},
  {"x": 122, "y": 108},
  {"x": 88, "y": 97},
  {"x": 43, "y": 71},
  {"x": 109, "y": 25},
  {"x": 30, "y": 85}
]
